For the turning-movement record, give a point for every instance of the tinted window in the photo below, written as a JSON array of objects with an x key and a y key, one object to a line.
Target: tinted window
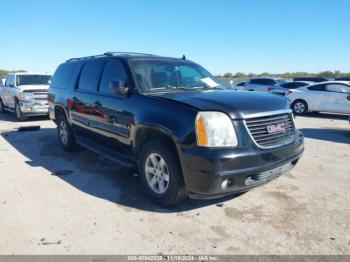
[
  {"x": 293, "y": 85},
  {"x": 317, "y": 88},
  {"x": 64, "y": 75},
  {"x": 113, "y": 70},
  {"x": 23, "y": 80},
  {"x": 89, "y": 75},
  {"x": 263, "y": 81},
  {"x": 241, "y": 84}
]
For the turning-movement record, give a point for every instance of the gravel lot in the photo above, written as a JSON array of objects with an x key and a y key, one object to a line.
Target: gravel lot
[{"x": 53, "y": 202}]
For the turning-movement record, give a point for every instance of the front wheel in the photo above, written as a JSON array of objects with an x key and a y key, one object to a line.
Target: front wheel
[
  {"x": 19, "y": 114},
  {"x": 161, "y": 174},
  {"x": 299, "y": 107}
]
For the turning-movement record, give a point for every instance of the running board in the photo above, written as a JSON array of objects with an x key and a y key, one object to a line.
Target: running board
[{"x": 115, "y": 156}]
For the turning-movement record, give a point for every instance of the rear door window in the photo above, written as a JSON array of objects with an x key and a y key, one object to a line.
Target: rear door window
[
  {"x": 321, "y": 87},
  {"x": 113, "y": 70},
  {"x": 90, "y": 75}
]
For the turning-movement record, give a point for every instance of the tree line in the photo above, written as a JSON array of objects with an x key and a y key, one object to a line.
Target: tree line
[
  {"x": 331, "y": 74},
  {"x": 4, "y": 72}
]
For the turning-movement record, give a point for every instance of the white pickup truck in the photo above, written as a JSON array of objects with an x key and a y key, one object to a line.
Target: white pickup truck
[{"x": 25, "y": 94}]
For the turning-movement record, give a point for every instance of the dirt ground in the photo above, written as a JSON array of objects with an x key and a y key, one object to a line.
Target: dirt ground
[{"x": 52, "y": 202}]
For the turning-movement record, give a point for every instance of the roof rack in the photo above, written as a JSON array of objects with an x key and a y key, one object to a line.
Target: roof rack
[
  {"x": 106, "y": 54},
  {"x": 125, "y": 53}
]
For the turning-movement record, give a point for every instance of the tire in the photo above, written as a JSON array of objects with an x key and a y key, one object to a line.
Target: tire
[
  {"x": 19, "y": 115},
  {"x": 65, "y": 134},
  {"x": 299, "y": 107},
  {"x": 2, "y": 108},
  {"x": 167, "y": 172}
]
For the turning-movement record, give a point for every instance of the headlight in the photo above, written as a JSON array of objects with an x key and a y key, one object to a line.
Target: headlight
[
  {"x": 215, "y": 129},
  {"x": 25, "y": 96}
]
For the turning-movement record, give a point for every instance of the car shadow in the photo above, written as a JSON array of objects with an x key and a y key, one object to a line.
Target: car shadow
[
  {"x": 337, "y": 135},
  {"x": 91, "y": 173}
]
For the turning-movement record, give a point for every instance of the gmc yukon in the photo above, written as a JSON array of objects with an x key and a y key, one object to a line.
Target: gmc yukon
[{"x": 173, "y": 120}]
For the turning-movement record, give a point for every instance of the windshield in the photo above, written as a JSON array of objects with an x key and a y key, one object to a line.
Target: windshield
[
  {"x": 33, "y": 80},
  {"x": 171, "y": 75}
]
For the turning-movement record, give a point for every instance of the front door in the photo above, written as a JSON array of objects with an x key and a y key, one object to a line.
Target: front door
[
  {"x": 338, "y": 98},
  {"x": 112, "y": 115}
]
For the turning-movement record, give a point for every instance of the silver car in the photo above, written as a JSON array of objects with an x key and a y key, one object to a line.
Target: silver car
[{"x": 265, "y": 84}]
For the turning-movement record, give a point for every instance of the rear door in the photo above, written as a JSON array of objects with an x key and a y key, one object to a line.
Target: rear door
[
  {"x": 338, "y": 99},
  {"x": 81, "y": 101}
]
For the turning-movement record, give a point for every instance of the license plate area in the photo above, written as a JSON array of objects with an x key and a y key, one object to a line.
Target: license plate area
[{"x": 268, "y": 175}]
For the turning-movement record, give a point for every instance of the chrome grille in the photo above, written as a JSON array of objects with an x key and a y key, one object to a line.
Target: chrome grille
[{"x": 271, "y": 131}]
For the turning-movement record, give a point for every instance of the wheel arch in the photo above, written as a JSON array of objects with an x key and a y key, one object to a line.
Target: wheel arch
[
  {"x": 145, "y": 134},
  {"x": 60, "y": 109}
]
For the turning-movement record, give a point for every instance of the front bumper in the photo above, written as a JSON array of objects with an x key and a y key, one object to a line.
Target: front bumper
[
  {"x": 34, "y": 107},
  {"x": 210, "y": 173}
]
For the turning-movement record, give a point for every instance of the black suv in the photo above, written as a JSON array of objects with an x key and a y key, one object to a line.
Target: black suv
[{"x": 175, "y": 122}]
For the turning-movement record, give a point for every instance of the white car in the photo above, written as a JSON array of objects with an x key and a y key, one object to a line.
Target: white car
[
  {"x": 331, "y": 96},
  {"x": 25, "y": 94}
]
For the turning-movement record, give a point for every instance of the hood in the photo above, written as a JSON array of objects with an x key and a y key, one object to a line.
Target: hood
[
  {"x": 237, "y": 104},
  {"x": 33, "y": 87}
]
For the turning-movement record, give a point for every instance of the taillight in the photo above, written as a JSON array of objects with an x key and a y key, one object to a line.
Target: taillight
[
  {"x": 289, "y": 92},
  {"x": 269, "y": 89}
]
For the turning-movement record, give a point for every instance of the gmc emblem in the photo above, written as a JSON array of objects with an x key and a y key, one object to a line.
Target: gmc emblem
[{"x": 271, "y": 129}]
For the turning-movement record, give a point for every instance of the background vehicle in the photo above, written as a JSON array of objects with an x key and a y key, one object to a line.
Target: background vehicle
[
  {"x": 312, "y": 79},
  {"x": 170, "y": 118},
  {"x": 291, "y": 85},
  {"x": 25, "y": 94},
  {"x": 331, "y": 96},
  {"x": 239, "y": 86},
  {"x": 266, "y": 84},
  {"x": 296, "y": 84},
  {"x": 343, "y": 79}
]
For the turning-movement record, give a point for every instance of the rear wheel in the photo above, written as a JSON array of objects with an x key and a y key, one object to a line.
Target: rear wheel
[
  {"x": 300, "y": 107},
  {"x": 19, "y": 115},
  {"x": 65, "y": 134},
  {"x": 161, "y": 174}
]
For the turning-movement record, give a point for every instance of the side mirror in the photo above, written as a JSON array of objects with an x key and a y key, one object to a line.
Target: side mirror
[{"x": 118, "y": 87}]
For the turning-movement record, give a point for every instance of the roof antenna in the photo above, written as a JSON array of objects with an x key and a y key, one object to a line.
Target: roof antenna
[{"x": 183, "y": 57}]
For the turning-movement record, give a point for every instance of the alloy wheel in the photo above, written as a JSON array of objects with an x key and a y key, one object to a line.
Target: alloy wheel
[
  {"x": 157, "y": 174},
  {"x": 299, "y": 107},
  {"x": 63, "y": 133}
]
